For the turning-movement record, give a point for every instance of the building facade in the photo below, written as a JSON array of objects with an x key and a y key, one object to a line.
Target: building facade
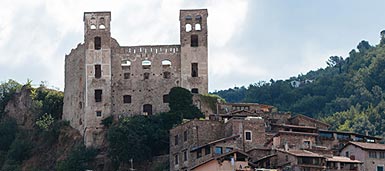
[{"x": 103, "y": 78}]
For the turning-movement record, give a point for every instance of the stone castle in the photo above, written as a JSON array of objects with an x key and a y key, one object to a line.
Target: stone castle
[{"x": 105, "y": 79}]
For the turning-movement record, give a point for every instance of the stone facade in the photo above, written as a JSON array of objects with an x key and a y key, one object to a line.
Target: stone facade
[
  {"x": 103, "y": 78},
  {"x": 373, "y": 155}
]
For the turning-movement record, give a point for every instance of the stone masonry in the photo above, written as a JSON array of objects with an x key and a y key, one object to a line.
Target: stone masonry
[{"x": 103, "y": 78}]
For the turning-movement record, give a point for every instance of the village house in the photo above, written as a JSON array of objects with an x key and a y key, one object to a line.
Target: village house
[{"x": 371, "y": 154}]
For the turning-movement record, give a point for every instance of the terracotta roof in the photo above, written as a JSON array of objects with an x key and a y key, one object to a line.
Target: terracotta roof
[
  {"x": 301, "y": 153},
  {"x": 216, "y": 157},
  {"x": 352, "y": 133},
  {"x": 342, "y": 159},
  {"x": 368, "y": 146},
  {"x": 293, "y": 126},
  {"x": 214, "y": 142}
]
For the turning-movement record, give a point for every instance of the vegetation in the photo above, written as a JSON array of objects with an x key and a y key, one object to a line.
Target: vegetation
[
  {"x": 348, "y": 93},
  {"x": 142, "y": 137},
  {"x": 78, "y": 159}
]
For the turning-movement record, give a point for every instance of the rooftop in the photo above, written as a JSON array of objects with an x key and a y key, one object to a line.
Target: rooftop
[{"x": 368, "y": 146}]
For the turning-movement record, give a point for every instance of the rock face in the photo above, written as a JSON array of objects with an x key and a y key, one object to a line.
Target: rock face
[{"x": 20, "y": 107}]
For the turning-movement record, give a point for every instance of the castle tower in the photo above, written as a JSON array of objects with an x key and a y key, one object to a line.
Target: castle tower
[
  {"x": 97, "y": 40},
  {"x": 194, "y": 53}
]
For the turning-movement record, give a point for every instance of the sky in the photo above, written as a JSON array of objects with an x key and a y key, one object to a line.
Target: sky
[{"x": 249, "y": 40}]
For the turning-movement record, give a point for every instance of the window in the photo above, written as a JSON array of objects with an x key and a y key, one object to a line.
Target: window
[
  {"x": 306, "y": 144},
  {"x": 195, "y": 91},
  {"x": 102, "y": 26},
  {"x": 98, "y": 71},
  {"x": 98, "y": 95},
  {"x": 194, "y": 40},
  {"x": 126, "y": 99},
  {"x": 176, "y": 139},
  {"x": 166, "y": 75},
  {"x": 176, "y": 159},
  {"x": 198, "y": 18},
  {"x": 146, "y": 64},
  {"x": 228, "y": 149},
  {"x": 380, "y": 168},
  {"x": 126, "y": 75},
  {"x": 97, "y": 43},
  {"x": 146, "y": 75},
  {"x": 372, "y": 154},
  {"x": 207, "y": 150},
  {"x": 165, "y": 98},
  {"x": 248, "y": 135},
  {"x": 185, "y": 155},
  {"x": 166, "y": 63},
  {"x": 198, "y": 27},
  {"x": 382, "y": 155},
  {"x": 199, "y": 153},
  {"x": 147, "y": 109},
  {"x": 188, "y": 27},
  {"x": 93, "y": 27},
  {"x": 126, "y": 64},
  {"x": 194, "y": 69},
  {"x": 188, "y": 17},
  {"x": 218, "y": 150},
  {"x": 98, "y": 113},
  {"x": 347, "y": 154},
  {"x": 185, "y": 136}
]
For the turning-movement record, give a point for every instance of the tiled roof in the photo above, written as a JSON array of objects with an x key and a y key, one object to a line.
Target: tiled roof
[
  {"x": 342, "y": 159},
  {"x": 215, "y": 141},
  {"x": 368, "y": 146},
  {"x": 309, "y": 118}
]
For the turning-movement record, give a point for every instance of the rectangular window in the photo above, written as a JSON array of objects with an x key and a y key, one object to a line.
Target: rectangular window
[
  {"x": 98, "y": 71},
  {"x": 185, "y": 136},
  {"x": 229, "y": 149},
  {"x": 195, "y": 91},
  {"x": 382, "y": 155},
  {"x": 166, "y": 75},
  {"x": 176, "y": 159},
  {"x": 185, "y": 155},
  {"x": 218, "y": 150},
  {"x": 372, "y": 154},
  {"x": 248, "y": 135},
  {"x": 194, "y": 41},
  {"x": 126, "y": 75},
  {"x": 380, "y": 168},
  {"x": 98, "y": 43},
  {"x": 126, "y": 99},
  {"x": 98, "y": 113},
  {"x": 194, "y": 69},
  {"x": 347, "y": 154},
  {"x": 207, "y": 150},
  {"x": 199, "y": 153},
  {"x": 98, "y": 95},
  {"x": 165, "y": 98},
  {"x": 146, "y": 75},
  {"x": 176, "y": 139}
]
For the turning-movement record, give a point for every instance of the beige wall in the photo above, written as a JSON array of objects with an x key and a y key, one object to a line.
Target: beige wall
[
  {"x": 370, "y": 164},
  {"x": 224, "y": 166}
]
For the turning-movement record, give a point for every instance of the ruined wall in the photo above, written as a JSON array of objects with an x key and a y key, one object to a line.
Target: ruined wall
[
  {"x": 241, "y": 126},
  {"x": 128, "y": 77},
  {"x": 73, "y": 108}
]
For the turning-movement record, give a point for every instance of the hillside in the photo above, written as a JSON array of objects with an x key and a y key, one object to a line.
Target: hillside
[{"x": 348, "y": 94}]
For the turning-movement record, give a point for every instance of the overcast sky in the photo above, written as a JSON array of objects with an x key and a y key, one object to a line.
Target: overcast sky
[{"x": 249, "y": 40}]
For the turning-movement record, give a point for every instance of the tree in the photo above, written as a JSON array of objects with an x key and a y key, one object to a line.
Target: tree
[
  {"x": 180, "y": 103},
  {"x": 335, "y": 61}
]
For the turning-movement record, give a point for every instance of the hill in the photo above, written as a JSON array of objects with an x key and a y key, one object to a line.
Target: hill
[{"x": 348, "y": 94}]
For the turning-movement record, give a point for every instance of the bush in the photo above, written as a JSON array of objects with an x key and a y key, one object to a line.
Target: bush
[
  {"x": 19, "y": 150},
  {"x": 8, "y": 130},
  {"x": 77, "y": 159}
]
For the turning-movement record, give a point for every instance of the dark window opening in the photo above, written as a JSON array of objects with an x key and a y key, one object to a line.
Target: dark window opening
[
  {"x": 198, "y": 18},
  {"x": 185, "y": 136},
  {"x": 199, "y": 153},
  {"x": 98, "y": 113},
  {"x": 126, "y": 75},
  {"x": 194, "y": 69},
  {"x": 98, "y": 95},
  {"x": 176, "y": 159},
  {"x": 146, "y": 75},
  {"x": 165, "y": 98},
  {"x": 147, "y": 109},
  {"x": 126, "y": 99},
  {"x": 98, "y": 43},
  {"x": 218, "y": 150},
  {"x": 185, "y": 155},
  {"x": 228, "y": 149},
  {"x": 98, "y": 71},
  {"x": 207, "y": 150},
  {"x": 176, "y": 138},
  {"x": 166, "y": 75},
  {"x": 248, "y": 136},
  {"x": 194, "y": 40},
  {"x": 194, "y": 90},
  {"x": 188, "y": 17}
]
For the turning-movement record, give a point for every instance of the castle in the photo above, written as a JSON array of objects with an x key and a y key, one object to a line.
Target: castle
[{"x": 103, "y": 78}]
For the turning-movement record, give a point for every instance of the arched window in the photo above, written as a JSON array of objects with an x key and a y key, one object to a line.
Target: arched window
[
  {"x": 198, "y": 27},
  {"x": 102, "y": 23},
  {"x": 126, "y": 64},
  {"x": 188, "y": 17},
  {"x": 101, "y": 26},
  {"x": 188, "y": 27},
  {"x": 198, "y": 18},
  {"x": 146, "y": 64},
  {"x": 93, "y": 27},
  {"x": 166, "y": 63}
]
